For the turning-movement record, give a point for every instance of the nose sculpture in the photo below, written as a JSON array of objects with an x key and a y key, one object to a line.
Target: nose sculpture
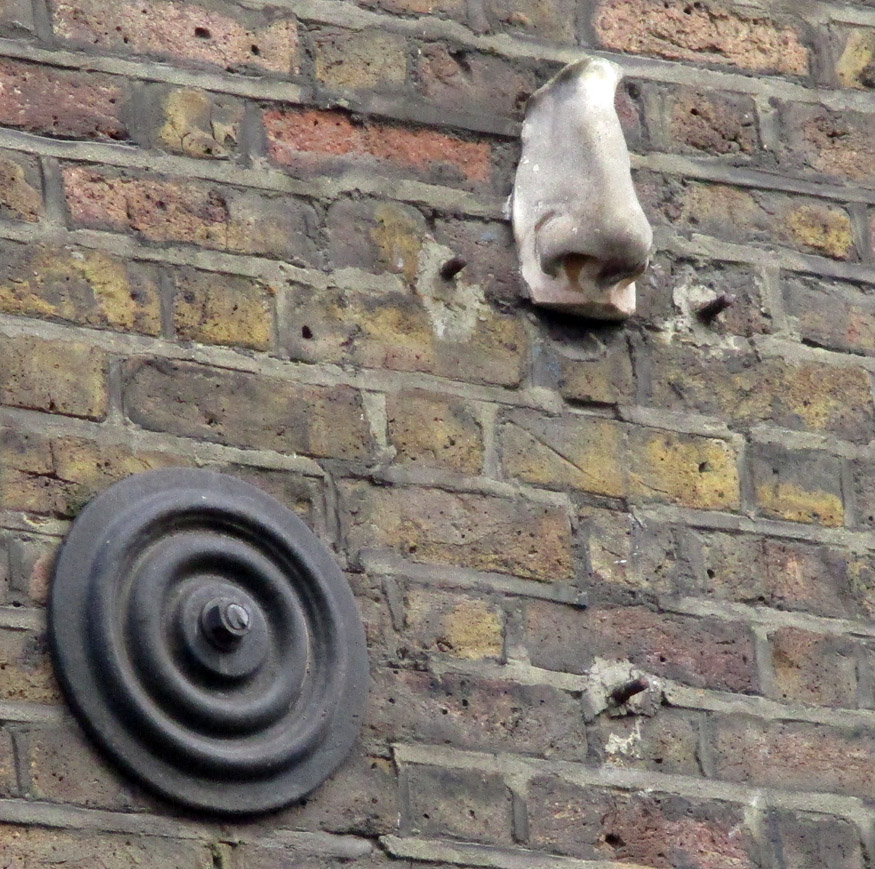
[{"x": 580, "y": 231}]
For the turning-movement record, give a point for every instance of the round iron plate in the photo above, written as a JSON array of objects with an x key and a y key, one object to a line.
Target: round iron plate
[{"x": 208, "y": 641}]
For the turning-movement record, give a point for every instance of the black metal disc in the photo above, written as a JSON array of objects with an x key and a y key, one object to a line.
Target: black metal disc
[{"x": 208, "y": 641}]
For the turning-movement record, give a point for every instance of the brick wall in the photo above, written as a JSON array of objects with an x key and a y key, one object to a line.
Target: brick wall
[{"x": 222, "y": 227}]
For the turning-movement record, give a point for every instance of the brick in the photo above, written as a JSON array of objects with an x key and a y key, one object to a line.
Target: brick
[
  {"x": 223, "y": 309},
  {"x": 94, "y": 106},
  {"x": 29, "y": 846},
  {"x": 793, "y": 756},
  {"x": 462, "y": 804},
  {"x": 777, "y": 573},
  {"x": 749, "y": 216},
  {"x": 475, "y": 713},
  {"x": 711, "y": 123},
  {"x": 64, "y": 768},
  {"x": 551, "y": 20},
  {"x": 192, "y": 34},
  {"x": 830, "y": 313},
  {"x": 26, "y": 668},
  {"x": 709, "y": 32},
  {"x": 32, "y": 560},
  {"x": 360, "y": 798},
  {"x": 797, "y": 485},
  {"x": 814, "y": 668},
  {"x": 8, "y": 776},
  {"x": 193, "y": 212},
  {"x": 280, "y": 855},
  {"x": 360, "y": 60},
  {"x": 87, "y": 287},
  {"x": 21, "y": 196},
  {"x": 810, "y": 841},
  {"x": 455, "y": 9},
  {"x": 466, "y": 81},
  {"x": 314, "y": 141},
  {"x": 585, "y": 453},
  {"x": 675, "y": 286},
  {"x": 835, "y": 145},
  {"x": 854, "y": 51},
  {"x": 745, "y": 390},
  {"x": 668, "y": 742},
  {"x": 16, "y": 18},
  {"x": 400, "y": 332},
  {"x": 683, "y": 469},
  {"x": 376, "y": 236},
  {"x": 656, "y": 830},
  {"x": 242, "y": 409},
  {"x": 699, "y": 652},
  {"x": 194, "y": 122},
  {"x": 433, "y": 430},
  {"x": 65, "y": 377},
  {"x": 456, "y": 528},
  {"x": 453, "y": 624}
]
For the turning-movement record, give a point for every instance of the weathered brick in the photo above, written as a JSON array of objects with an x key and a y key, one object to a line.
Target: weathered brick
[
  {"x": 466, "y": 81},
  {"x": 455, "y": 9},
  {"x": 453, "y": 624},
  {"x": 312, "y": 140},
  {"x": 809, "y": 841},
  {"x": 703, "y": 32},
  {"x": 369, "y": 59},
  {"x": 668, "y": 742},
  {"x": 8, "y": 777},
  {"x": 831, "y": 313},
  {"x": 188, "y": 33},
  {"x": 701, "y": 652},
  {"x": 242, "y": 409},
  {"x": 693, "y": 471},
  {"x": 66, "y": 377},
  {"x": 26, "y": 847},
  {"x": 63, "y": 767},
  {"x": 854, "y": 51},
  {"x": 89, "y": 287},
  {"x": 462, "y": 804},
  {"x": 31, "y": 561},
  {"x": 223, "y": 309},
  {"x": 26, "y": 668},
  {"x": 402, "y": 332},
  {"x": 744, "y": 389},
  {"x": 475, "y": 713},
  {"x": 777, "y": 573},
  {"x": 455, "y": 528},
  {"x": 597, "y": 372},
  {"x": 656, "y": 830},
  {"x": 836, "y": 145},
  {"x": 864, "y": 492},
  {"x": 581, "y": 452},
  {"x": 21, "y": 196},
  {"x": 675, "y": 286},
  {"x": 194, "y": 212},
  {"x": 749, "y": 216},
  {"x": 435, "y": 430},
  {"x": 16, "y": 18},
  {"x": 193, "y": 122},
  {"x": 797, "y": 485},
  {"x": 792, "y": 756},
  {"x": 56, "y": 102},
  {"x": 551, "y": 20},
  {"x": 814, "y": 668},
  {"x": 711, "y": 123}
]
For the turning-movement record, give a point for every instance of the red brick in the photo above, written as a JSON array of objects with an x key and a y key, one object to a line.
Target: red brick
[
  {"x": 702, "y": 32},
  {"x": 190, "y": 33},
  {"x": 475, "y": 713},
  {"x": 794, "y": 756},
  {"x": 193, "y": 212},
  {"x": 314, "y": 139},
  {"x": 245, "y": 410},
  {"x": 456, "y": 528},
  {"x": 700, "y": 652},
  {"x": 814, "y": 668},
  {"x": 78, "y": 105},
  {"x": 553, "y": 20},
  {"x": 711, "y": 123}
]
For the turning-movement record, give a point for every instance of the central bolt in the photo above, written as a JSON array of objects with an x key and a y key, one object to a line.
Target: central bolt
[{"x": 225, "y": 622}]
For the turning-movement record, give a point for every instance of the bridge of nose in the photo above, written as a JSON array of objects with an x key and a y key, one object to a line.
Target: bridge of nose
[{"x": 581, "y": 234}]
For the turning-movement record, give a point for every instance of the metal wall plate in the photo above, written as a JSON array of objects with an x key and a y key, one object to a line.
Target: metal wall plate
[{"x": 208, "y": 641}]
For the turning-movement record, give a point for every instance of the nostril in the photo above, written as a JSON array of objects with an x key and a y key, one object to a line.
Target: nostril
[
  {"x": 575, "y": 263},
  {"x": 613, "y": 272}
]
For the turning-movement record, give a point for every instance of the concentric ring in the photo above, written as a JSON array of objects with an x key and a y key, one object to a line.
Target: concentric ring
[{"x": 235, "y": 727}]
